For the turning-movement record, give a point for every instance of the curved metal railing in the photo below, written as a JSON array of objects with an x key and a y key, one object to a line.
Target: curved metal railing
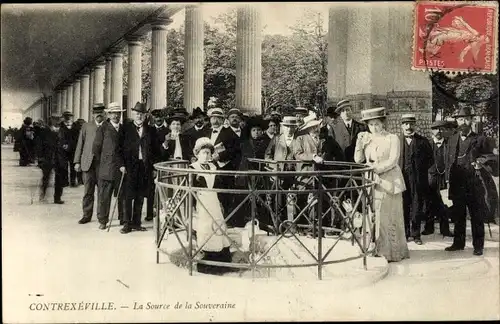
[{"x": 331, "y": 192}]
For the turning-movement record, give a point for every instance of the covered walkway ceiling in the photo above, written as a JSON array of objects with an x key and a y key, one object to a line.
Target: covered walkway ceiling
[{"x": 43, "y": 44}]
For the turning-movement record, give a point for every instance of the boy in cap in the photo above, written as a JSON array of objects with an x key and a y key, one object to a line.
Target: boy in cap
[{"x": 86, "y": 162}]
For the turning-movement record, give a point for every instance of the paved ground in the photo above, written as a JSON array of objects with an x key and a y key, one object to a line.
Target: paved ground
[{"x": 46, "y": 252}]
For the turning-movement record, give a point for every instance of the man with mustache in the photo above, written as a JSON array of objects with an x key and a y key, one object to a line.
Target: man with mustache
[
  {"x": 106, "y": 152},
  {"x": 199, "y": 129},
  {"x": 227, "y": 156},
  {"x": 435, "y": 205},
  {"x": 468, "y": 155},
  {"x": 415, "y": 160},
  {"x": 86, "y": 162}
]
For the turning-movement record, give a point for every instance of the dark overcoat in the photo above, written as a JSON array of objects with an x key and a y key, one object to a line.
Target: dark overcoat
[
  {"x": 106, "y": 153},
  {"x": 129, "y": 143}
]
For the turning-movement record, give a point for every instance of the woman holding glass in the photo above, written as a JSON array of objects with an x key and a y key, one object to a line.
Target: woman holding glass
[{"x": 380, "y": 149}]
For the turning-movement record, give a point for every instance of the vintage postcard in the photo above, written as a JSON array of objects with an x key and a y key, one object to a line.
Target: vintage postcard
[{"x": 250, "y": 162}]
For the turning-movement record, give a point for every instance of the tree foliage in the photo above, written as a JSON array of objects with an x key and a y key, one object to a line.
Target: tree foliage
[{"x": 294, "y": 67}]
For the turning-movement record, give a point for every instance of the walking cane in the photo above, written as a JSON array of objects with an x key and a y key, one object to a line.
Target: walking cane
[{"x": 116, "y": 201}]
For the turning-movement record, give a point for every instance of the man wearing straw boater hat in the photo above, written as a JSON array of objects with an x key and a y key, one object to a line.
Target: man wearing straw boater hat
[
  {"x": 280, "y": 148},
  {"x": 415, "y": 160},
  {"x": 106, "y": 152},
  {"x": 467, "y": 161},
  {"x": 227, "y": 155},
  {"x": 346, "y": 129},
  {"x": 139, "y": 151},
  {"x": 313, "y": 150},
  {"x": 86, "y": 162},
  {"x": 434, "y": 203}
]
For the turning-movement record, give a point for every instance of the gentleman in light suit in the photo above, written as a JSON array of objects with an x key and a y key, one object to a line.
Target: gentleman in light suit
[
  {"x": 85, "y": 162},
  {"x": 313, "y": 148},
  {"x": 106, "y": 151}
]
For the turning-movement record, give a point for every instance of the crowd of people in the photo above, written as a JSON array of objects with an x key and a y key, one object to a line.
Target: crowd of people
[{"x": 117, "y": 158}]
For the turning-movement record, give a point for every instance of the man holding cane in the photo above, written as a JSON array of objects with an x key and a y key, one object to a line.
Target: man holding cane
[{"x": 106, "y": 153}]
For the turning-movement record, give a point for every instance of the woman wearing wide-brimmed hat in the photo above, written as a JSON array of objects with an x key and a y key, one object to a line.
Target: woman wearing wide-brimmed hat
[
  {"x": 176, "y": 145},
  {"x": 312, "y": 148},
  {"x": 381, "y": 149}
]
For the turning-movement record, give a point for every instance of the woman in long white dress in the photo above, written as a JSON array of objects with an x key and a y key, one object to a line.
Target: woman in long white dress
[
  {"x": 209, "y": 211},
  {"x": 381, "y": 149}
]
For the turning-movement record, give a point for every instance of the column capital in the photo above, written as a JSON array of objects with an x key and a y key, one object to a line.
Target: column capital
[
  {"x": 99, "y": 64},
  {"x": 160, "y": 23},
  {"x": 133, "y": 39},
  {"x": 77, "y": 78},
  {"x": 193, "y": 5},
  {"x": 84, "y": 73}
]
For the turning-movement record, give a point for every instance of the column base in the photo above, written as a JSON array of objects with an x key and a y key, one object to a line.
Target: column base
[{"x": 397, "y": 104}]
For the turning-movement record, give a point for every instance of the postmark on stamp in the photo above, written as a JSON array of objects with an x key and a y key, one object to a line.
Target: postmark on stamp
[{"x": 455, "y": 37}]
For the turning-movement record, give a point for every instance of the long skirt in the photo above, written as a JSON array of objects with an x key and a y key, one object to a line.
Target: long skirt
[{"x": 390, "y": 228}]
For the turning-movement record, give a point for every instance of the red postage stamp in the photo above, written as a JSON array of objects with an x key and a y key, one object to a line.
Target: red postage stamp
[{"x": 456, "y": 36}]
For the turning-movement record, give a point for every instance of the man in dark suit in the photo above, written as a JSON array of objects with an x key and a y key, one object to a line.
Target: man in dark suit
[
  {"x": 468, "y": 155},
  {"x": 415, "y": 160},
  {"x": 86, "y": 162},
  {"x": 200, "y": 128},
  {"x": 137, "y": 147},
  {"x": 160, "y": 131},
  {"x": 24, "y": 143},
  {"x": 52, "y": 156},
  {"x": 434, "y": 203},
  {"x": 346, "y": 129},
  {"x": 69, "y": 135},
  {"x": 227, "y": 155},
  {"x": 106, "y": 153}
]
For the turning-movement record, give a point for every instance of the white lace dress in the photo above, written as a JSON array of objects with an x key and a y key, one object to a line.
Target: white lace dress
[{"x": 382, "y": 152}]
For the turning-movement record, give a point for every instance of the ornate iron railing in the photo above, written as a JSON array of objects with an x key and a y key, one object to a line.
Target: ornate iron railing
[{"x": 341, "y": 191}]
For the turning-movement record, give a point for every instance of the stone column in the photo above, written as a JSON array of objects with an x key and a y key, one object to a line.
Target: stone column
[
  {"x": 338, "y": 19},
  {"x": 59, "y": 102},
  {"x": 193, "y": 58},
  {"x": 69, "y": 98},
  {"x": 379, "y": 73},
  {"x": 76, "y": 98},
  {"x": 134, "y": 72},
  {"x": 99, "y": 76},
  {"x": 107, "y": 81},
  {"x": 91, "y": 88},
  {"x": 248, "y": 60},
  {"x": 64, "y": 99},
  {"x": 159, "y": 63},
  {"x": 84, "y": 97},
  {"x": 117, "y": 78}
]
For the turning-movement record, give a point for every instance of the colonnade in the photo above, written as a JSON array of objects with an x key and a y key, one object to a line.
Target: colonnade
[
  {"x": 102, "y": 81},
  {"x": 369, "y": 61}
]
